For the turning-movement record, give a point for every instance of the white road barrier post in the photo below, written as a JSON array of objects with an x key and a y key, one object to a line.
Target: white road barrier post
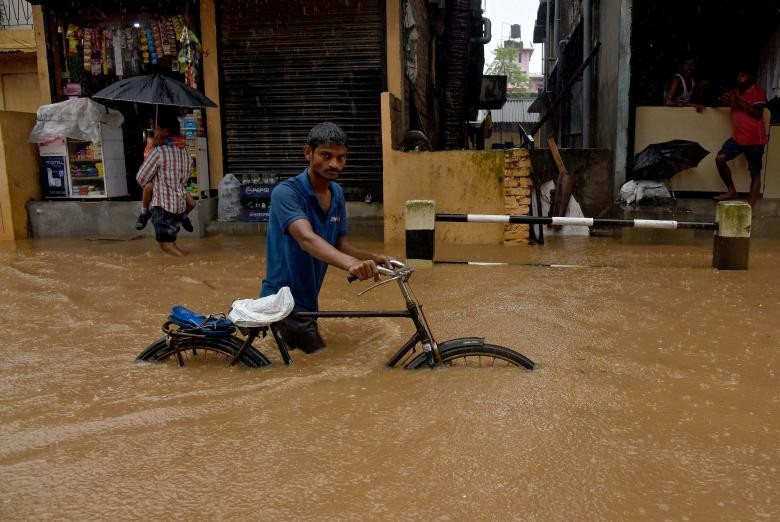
[
  {"x": 732, "y": 239},
  {"x": 420, "y": 236}
]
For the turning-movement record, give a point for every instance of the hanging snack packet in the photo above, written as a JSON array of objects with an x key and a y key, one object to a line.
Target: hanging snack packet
[
  {"x": 88, "y": 49},
  {"x": 150, "y": 44},
  {"x": 108, "y": 52},
  {"x": 170, "y": 34},
  {"x": 166, "y": 44},
  {"x": 118, "y": 44},
  {"x": 131, "y": 36},
  {"x": 157, "y": 39},
  {"x": 97, "y": 64}
]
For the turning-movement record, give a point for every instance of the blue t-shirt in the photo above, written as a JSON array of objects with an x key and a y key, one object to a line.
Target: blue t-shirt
[{"x": 287, "y": 264}]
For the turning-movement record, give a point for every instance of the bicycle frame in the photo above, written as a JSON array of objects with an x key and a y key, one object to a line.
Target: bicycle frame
[
  {"x": 413, "y": 311},
  {"x": 432, "y": 353}
]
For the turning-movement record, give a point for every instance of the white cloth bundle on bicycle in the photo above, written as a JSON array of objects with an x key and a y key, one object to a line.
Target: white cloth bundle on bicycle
[{"x": 251, "y": 313}]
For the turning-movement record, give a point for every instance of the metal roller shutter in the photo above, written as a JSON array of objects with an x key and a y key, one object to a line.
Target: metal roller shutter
[{"x": 287, "y": 65}]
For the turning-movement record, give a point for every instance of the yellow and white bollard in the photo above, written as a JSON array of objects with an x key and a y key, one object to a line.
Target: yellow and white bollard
[
  {"x": 732, "y": 239},
  {"x": 420, "y": 236}
]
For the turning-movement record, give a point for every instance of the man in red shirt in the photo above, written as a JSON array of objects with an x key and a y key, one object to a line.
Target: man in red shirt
[{"x": 748, "y": 135}]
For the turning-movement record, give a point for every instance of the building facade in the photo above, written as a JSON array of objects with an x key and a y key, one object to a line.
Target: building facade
[
  {"x": 277, "y": 68},
  {"x": 606, "y": 63}
]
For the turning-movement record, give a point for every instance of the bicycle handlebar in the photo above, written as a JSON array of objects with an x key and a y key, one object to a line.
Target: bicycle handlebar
[{"x": 382, "y": 270}]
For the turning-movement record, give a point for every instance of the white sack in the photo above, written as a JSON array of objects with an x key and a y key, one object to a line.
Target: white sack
[
  {"x": 633, "y": 191},
  {"x": 229, "y": 203},
  {"x": 263, "y": 311},
  {"x": 77, "y": 118},
  {"x": 573, "y": 210}
]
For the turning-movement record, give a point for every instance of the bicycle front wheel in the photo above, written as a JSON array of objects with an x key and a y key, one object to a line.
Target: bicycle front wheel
[
  {"x": 219, "y": 350},
  {"x": 475, "y": 356}
]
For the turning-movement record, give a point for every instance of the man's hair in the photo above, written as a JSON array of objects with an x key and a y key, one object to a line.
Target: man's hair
[
  {"x": 747, "y": 69},
  {"x": 168, "y": 119},
  {"x": 326, "y": 133}
]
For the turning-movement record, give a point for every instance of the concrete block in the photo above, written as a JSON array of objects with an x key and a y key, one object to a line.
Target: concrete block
[
  {"x": 103, "y": 218},
  {"x": 733, "y": 219}
]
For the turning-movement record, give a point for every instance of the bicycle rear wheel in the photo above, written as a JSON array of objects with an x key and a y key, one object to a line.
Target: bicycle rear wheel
[
  {"x": 477, "y": 356},
  {"x": 219, "y": 350}
]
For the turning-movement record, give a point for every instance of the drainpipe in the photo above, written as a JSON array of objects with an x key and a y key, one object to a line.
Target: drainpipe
[
  {"x": 622, "y": 102},
  {"x": 559, "y": 85},
  {"x": 456, "y": 49},
  {"x": 486, "y": 35},
  {"x": 587, "y": 47},
  {"x": 557, "y": 48},
  {"x": 547, "y": 47},
  {"x": 556, "y": 27}
]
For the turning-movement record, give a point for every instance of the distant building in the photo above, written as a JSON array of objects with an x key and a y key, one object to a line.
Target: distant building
[
  {"x": 602, "y": 104},
  {"x": 505, "y": 122},
  {"x": 523, "y": 59}
]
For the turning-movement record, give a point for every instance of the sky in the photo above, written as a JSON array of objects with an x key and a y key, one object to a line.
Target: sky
[{"x": 502, "y": 14}]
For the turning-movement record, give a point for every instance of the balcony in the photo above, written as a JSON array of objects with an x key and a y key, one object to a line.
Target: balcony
[
  {"x": 16, "y": 26},
  {"x": 710, "y": 129},
  {"x": 15, "y": 14}
]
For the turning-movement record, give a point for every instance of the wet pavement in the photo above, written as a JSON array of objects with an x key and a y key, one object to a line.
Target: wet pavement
[{"x": 656, "y": 398}]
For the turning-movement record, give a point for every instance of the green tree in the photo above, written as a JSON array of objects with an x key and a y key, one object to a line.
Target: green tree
[{"x": 503, "y": 64}]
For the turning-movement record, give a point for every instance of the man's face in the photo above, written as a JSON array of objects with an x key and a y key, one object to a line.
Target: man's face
[
  {"x": 326, "y": 161},
  {"x": 688, "y": 67},
  {"x": 160, "y": 133},
  {"x": 743, "y": 79}
]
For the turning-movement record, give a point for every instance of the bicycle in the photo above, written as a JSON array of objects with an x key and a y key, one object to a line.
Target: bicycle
[{"x": 189, "y": 336}]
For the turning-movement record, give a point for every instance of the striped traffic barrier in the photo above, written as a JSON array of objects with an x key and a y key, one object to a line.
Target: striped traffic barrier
[
  {"x": 729, "y": 253},
  {"x": 575, "y": 221}
]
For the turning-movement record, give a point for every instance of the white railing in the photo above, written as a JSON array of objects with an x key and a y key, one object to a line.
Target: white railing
[{"x": 15, "y": 14}]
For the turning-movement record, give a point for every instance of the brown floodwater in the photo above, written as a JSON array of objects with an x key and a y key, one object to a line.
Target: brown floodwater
[{"x": 656, "y": 397}]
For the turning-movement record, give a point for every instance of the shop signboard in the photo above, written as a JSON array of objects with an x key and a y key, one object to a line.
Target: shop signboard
[{"x": 54, "y": 177}]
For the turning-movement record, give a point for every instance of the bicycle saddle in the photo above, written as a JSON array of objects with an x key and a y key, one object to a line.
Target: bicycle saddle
[{"x": 211, "y": 325}]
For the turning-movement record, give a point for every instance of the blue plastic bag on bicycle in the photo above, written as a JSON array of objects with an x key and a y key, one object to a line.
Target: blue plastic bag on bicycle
[{"x": 211, "y": 325}]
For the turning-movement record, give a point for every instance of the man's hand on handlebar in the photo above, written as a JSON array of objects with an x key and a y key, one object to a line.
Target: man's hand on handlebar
[
  {"x": 385, "y": 261},
  {"x": 365, "y": 269},
  {"x": 372, "y": 268}
]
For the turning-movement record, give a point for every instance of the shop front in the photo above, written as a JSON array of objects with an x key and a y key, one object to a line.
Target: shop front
[
  {"x": 288, "y": 65},
  {"x": 93, "y": 44}
]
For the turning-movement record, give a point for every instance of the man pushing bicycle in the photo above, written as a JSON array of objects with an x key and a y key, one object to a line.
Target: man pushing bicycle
[{"x": 307, "y": 231}]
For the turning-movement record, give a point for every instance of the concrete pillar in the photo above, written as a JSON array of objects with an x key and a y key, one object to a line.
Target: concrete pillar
[
  {"x": 394, "y": 48},
  {"x": 208, "y": 38},
  {"x": 44, "y": 81},
  {"x": 732, "y": 240},
  {"x": 623, "y": 104},
  {"x": 587, "y": 47},
  {"x": 420, "y": 237}
]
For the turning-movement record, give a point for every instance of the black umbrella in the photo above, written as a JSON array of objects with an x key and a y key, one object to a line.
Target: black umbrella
[
  {"x": 154, "y": 89},
  {"x": 664, "y": 160}
]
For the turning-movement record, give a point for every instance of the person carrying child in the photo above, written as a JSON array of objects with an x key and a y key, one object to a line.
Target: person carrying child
[{"x": 164, "y": 175}]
